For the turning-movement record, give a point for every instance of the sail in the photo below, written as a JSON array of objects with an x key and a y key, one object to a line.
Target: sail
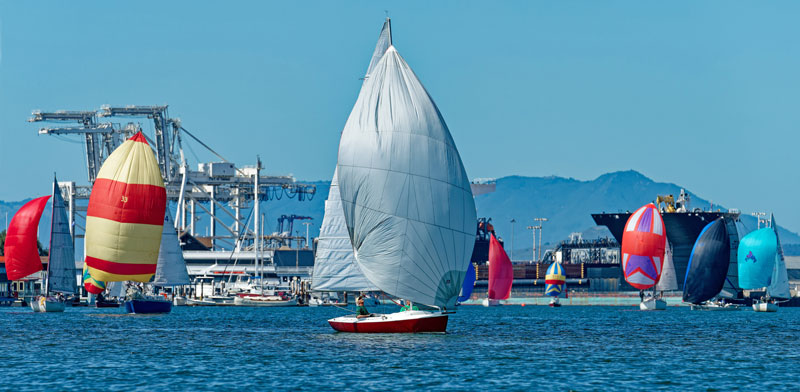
[
  {"x": 61, "y": 265},
  {"x": 555, "y": 280},
  {"x": 643, "y": 244},
  {"x": 124, "y": 220},
  {"x": 731, "y": 287},
  {"x": 708, "y": 263},
  {"x": 171, "y": 268},
  {"x": 406, "y": 197},
  {"x": 20, "y": 249},
  {"x": 779, "y": 282},
  {"x": 91, "y": 284},
  {"x": 669, "y": 278},
  {"x": 116, "y": 289},
  {"x": 469, "y": 284},
  {"x": 501, "y": 271},
  {"x": 384, "y": 42},
  {"x": 756, "y": 258},
  {"x": 335, "y": 266}
]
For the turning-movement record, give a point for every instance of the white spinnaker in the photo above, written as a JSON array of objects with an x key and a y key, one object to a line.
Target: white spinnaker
[
  {"x": 406, "y": 197},
  {"x": 171, "y": 267},
  {"x": 669, "y": 278},
  {"x": 335, "y": 266}
]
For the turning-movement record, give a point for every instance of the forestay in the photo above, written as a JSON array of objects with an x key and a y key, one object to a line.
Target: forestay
[
  {"x": 406, "y": 197},
  {"x": 171, "y": 267},
  {"x": 61, "y": 267},
  {"x": 335, "y": 266}
]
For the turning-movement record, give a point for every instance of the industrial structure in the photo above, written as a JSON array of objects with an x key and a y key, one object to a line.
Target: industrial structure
[{"x": 223, "y": 197}]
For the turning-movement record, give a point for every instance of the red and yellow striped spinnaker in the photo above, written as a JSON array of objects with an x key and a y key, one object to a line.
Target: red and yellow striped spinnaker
[{"x": 126, "y": 214}]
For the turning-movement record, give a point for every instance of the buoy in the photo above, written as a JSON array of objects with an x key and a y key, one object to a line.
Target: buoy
[{"x": 523, "y": 305}]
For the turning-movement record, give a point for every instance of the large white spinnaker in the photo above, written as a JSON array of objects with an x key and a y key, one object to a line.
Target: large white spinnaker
[
  {"x": 406, "y": 196},
  {"x": 335, "y": 266}
]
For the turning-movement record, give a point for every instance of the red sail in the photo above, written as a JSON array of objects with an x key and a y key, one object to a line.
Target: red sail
[
  {"x": 501, "y": 272},
  {"x": 22, "y": 255}
]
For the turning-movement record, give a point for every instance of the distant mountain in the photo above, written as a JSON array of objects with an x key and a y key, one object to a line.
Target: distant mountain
[{"x": 566, "y": 202}]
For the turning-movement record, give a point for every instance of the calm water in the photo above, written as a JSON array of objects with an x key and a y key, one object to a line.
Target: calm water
[{"x": 511, "y": 347}]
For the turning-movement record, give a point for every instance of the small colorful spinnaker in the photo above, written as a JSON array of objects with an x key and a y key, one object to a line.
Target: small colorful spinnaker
[{"x": 555, "y": 280}]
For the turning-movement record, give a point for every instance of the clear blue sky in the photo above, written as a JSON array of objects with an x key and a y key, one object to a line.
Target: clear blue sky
[{"x": 703, "y": 94}]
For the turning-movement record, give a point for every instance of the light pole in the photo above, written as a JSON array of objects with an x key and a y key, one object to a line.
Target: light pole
[
  {"x": 512, "y": 238},
  {"x": 541, "y": 221},
  {"x": 534, "y": 228},
  {"x": 307, "y": 238}
]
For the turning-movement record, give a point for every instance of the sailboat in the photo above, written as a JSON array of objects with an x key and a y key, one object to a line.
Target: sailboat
[
  {"x": 643, "y": 248},
  {"x": 468, "y": 285},
  {"x": 501, "y": 274},
  {"x": 125, "y": 221},
  {"x": 406, "y": 197},
  {"x": 708, "y": 268},
  {"x": 170, "y": 272},
  {"x": 761, "y": 264},
  {"x": 335, "y": 267},
  {"x": 22, "y": 256},
  {"x": 668, "y": 281},
  {"x": 555, "y": 281}
]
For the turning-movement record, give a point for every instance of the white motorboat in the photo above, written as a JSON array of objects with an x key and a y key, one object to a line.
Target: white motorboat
[{"x": 266, "y": 301}]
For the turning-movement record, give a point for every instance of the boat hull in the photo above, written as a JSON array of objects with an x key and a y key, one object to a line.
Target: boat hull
[
  {"x": 765, "y": 307},
  {"x": 147, "y": 306},
  {"x": 263, "y": 302},
  {"x": 48, "y": 305},
  {"x": 106, "y": 304},
  {"x": 554, "y": 303},
  {"x": 402, "y": 322},
  {"x": 715, "y": 307},
  {"x": 491, "y": 302},
  {"x": 653, "y": 304}
]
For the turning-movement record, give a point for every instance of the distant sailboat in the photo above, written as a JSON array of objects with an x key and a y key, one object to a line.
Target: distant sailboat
[
  {"x": 125, "y": 220},
  {"x": 501, "y": 274},
  {"x": 22, "y": 256},
  {"x": 469, "y": 284},
  {"x": 407, "y": 201},
  {"x": 762, "y": 264},
  {"x": 643, "y": 248},
  {"x": 668, "y": 281},
  {"x": 335, "y": 268},
  {"x": 555, "y": 283}
]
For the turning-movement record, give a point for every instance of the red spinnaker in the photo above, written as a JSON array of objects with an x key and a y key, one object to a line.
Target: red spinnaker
[
  {"x": 501, "y": 271},
  {"x": 22, "y": 255}
]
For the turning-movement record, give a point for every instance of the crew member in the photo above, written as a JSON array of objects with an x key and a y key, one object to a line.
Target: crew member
[{"x": 361, "y": 311}]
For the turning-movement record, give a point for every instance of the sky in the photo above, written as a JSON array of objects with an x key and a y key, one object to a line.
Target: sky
[{"x": 704, "y": 94}]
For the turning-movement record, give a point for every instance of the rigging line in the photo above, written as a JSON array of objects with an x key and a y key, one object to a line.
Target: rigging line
[
  {"x": 209, "y": 148},
  {"x": 239, "y": 240},
  {"x": 337, "y": 306}
]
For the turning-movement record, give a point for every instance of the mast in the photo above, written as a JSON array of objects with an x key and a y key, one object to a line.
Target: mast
[
  {"x": 389, "y": 29},
  {"x": 256, "y": 212}
]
